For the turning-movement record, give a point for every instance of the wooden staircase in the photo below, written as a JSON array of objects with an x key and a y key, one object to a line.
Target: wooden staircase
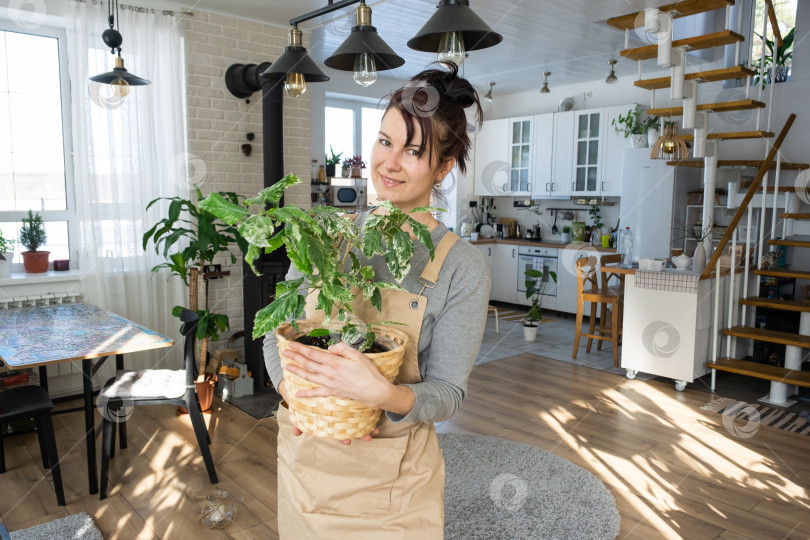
[
  {"x": 708, "y": 41},
  {"x": 734, "y": 135},
  {"x": 715, "y": 75},
  {"x": 677, "y": 10}
]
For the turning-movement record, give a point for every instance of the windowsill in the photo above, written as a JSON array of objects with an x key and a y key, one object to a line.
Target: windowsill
[{"x": 22, "y": 278}]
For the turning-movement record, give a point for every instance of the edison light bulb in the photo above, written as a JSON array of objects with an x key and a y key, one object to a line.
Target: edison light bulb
[
  {"x": 451, "y": 48},
  {"x": 120, "y": 87},
  {"x": 668, "y": 146},
  {"x": 365, "y": 69},
  {"x": 295, "y": 85}
]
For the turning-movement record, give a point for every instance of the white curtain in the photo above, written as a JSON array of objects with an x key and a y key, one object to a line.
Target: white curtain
[{"x": 127, "y": 153}]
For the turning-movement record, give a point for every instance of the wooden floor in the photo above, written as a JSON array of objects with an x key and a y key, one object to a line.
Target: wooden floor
[{"x": 674, "y": 470}]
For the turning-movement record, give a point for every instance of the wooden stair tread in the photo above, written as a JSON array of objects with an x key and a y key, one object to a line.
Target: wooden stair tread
[
  {"x": 717, "y": 39},
  {"x": 793, "y": 215},
  {"x": 798, "y": 274},
  {"x": 677, "y": 10},
  {"x": 761, "y": 371},
  {"x": 795, "y": 241},
  {"x": 727, "y": 106},
  {"x": 714, "y": 75},
  {"x": 773, "y": 303},
  {"x": 771, "y": 336},
  {"x": 733, "y": 135},
  {"x": 737, "y": 163},
  {"x": 782, "y": 189}
]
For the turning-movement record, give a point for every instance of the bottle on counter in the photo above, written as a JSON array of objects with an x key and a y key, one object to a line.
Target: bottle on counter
[
  {"x": 322, "y": 174},
  {"x": 626, "y": 247}
]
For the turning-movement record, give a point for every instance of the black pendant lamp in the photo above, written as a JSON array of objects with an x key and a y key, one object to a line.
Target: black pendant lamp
[
  {"x": 364, "y": 52},
  {"x": 296, "y": 66},
  {"x": 454, "y": 30},
  {"x": 119, "y": 78}
]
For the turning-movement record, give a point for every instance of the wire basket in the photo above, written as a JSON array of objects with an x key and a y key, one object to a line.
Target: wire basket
[{"x": 334, "y": 417}]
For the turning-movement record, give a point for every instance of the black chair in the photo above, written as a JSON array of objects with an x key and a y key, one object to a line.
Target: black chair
[
  {"x": 25, "y": 403},
  {"x": 153, "y": 387}
]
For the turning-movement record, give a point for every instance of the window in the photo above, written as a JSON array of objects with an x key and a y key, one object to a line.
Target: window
[
  {"x": 785, "y": 16},
  {"x": 352, "y": 127},
  {"x": 34, "y": 138}
]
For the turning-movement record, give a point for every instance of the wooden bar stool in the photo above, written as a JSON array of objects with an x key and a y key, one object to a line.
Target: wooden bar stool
[
  {"x": 618, "y": 286},
  {"x": 588, "y": 290}
]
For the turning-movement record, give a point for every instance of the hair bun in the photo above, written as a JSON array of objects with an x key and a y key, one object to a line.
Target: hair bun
[{"x": 453, "y": 87}]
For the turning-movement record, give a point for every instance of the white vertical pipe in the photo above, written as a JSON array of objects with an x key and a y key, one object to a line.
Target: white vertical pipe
[
  {"x": 678, "y": 73},
  {"x": 701, "y": 125},
  {"x": 739, "y": 31},
  {"x": 789, "y": 204},
  {"x": 747, "y": 259},
  {"x": 690, "y": 92},
  {"x": 660, "y": 24},
  {"x": 638, "y": 63},
  {"x": 709, "y": 183},
  {"x": 775, "y": 196},
  {"x": 652, "y": 103},
  {"x": 627, "y": 38},
  {"x": 715, "y": 322},
  {"x": 731, "y": 296},
  {"x": 748, "y": 87},
  {"x": 762, "y": 219},
  {"x": 728, "y": 17}
]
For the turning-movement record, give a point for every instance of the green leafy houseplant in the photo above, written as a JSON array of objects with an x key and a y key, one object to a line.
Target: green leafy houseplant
[
  {"x": 535, "y": 286},
  {"x": 334, "y": 159},
  {"x": 330, "y": 267},
  {"x": 783, "y": 55},
  {"x": 6, "y": 245},
  {"x": 633, "y": 123},
  {"x": 32, "y": 232},
  {"x": 596, "y": 216},
  {"x": 189, "y": 238}
]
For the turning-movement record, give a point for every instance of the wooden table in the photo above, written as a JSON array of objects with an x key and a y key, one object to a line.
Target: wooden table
[{"x": 45, "y": 335}]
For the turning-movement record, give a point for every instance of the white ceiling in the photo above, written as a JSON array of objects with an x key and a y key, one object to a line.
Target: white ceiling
[{"x": 569, "y": 38}]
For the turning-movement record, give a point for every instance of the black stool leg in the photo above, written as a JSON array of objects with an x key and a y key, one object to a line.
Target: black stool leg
[
  {"x": 107, "y": 432},
  {"x": 45, "y": 423},
  {"x": 201, "y": 432},
  {"x": 2, "y": 451},
  {"x": 122, "y": 425},
  {"x": 43, "y": 450}
]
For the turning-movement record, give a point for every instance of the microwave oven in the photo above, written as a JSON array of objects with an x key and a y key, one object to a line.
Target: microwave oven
[{"x": 349, "y": 192}]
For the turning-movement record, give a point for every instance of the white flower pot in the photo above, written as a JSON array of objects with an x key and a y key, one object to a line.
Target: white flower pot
[
  {"x": 530, "y": 332},
  {"x": 565, "y": 238},
  {"x": 652, "y": 137},
  {"x": 5, "y": 266},
  {"x": 638, "y": 140}
]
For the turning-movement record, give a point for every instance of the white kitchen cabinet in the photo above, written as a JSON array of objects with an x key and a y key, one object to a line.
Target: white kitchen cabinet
[
  {"x": 521, "y": 148},
  {"x": 542, "y": 182},
  {"x": 567, "y": 275},
  {"x": 562, "y": 163},
  {"x": 492, "y": 167},
  {"x": 488, "y": 251},
  {"x": 587, "y": 152},
  {"x": 504, "y": 273},
  {"x": 612, "y": 151}
]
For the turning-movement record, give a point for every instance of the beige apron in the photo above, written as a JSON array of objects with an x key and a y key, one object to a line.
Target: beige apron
[{"x": 390, "y": 487}]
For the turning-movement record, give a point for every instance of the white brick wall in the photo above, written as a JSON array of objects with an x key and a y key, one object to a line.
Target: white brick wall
[{"x": 218, "y": 123}]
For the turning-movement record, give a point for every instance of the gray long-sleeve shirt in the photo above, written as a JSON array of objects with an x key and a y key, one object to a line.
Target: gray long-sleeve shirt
[{"x": 452, "y": 328}]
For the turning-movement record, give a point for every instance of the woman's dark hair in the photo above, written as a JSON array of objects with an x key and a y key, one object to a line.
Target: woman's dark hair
[{"x": 436, "y": 99}]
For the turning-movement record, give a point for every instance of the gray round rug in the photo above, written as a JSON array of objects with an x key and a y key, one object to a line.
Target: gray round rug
[{"x": 502, "y": 489}]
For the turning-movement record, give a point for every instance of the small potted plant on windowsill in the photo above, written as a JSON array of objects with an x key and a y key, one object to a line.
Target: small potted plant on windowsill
[
  {"x": 6, "y": 255},
  {"x": 333, "y": 274},
  {"x": 783, "y": 56},
  {"x": 332, "y": 162},
  {"x": 355, "y": 166},
  {"x": 32, "y": 236},
  {"x": 536, "y": 281},
  {"x": 634, "y": 126}
]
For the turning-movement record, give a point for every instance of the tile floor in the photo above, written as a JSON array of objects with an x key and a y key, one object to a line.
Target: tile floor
[{"x": 555, "y": 339}]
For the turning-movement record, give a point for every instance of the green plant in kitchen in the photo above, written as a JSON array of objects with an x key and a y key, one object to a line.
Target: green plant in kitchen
[
  {"x": 783, "y": 55},
  {"x": 32, "y": 232},
  {"x": 596, "y": 217},
  {"x": 635, "y": 122},
  {"x": 567, "y": 229},
  {"x": 536, "y": 282},
  {"x": 330, "y": 267},
  {"x": 355, "y": 162},
  {"x": 189, "y": 238},
  {"x": 6, "y": 245},
  {"x": 334, "y": 159}
]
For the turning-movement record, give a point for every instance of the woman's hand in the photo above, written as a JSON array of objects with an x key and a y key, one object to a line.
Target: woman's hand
[{"x": 341, "y": 371}]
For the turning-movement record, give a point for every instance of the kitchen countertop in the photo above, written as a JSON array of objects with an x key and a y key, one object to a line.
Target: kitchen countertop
[{"x": 525, "y": 242}]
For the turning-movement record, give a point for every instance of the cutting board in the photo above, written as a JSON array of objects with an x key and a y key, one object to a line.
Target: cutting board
[{"x": 510, "y": 226}]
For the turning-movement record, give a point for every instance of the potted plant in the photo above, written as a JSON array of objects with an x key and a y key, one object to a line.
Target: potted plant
[
  {"x": 332, "y": 162},
  {"x": 189, "y": 238},
  {"x": 565, "y": 238},
  {"x": 355, "y": 166},
  {"x": 6, "y": 255},
  {"x": 596, "y": 228},
  {"x": 535, "y": 286},
  {"x": 332, "y": 272},
  {"x": 634, "y": 125},
  {"x": 783, "y": 55},
  {"x": 32, "y": 235}
]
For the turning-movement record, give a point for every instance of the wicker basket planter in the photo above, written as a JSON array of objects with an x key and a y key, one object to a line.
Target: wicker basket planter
[{"x": 333, "y": 417}]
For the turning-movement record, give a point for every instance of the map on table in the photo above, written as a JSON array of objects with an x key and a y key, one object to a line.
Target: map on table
[{"x": 61, "y": 332}]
